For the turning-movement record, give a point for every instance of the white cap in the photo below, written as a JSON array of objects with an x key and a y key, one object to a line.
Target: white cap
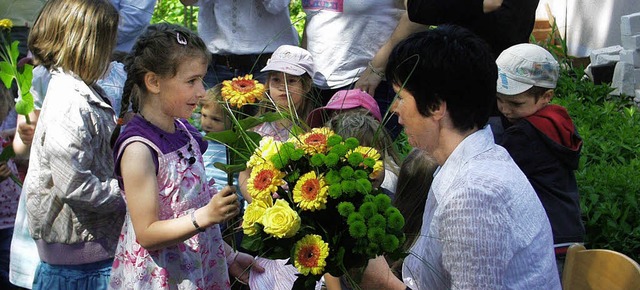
[
  {"x": 523, "y": 66},
  {"x": 290, "y": 59}
]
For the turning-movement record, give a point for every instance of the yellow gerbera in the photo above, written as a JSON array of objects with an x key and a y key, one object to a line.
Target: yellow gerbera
[
  {"x": 267, "y": 148},
  {"x": 242, "y": 90},
  {"x": 314, "y": 141},
  {"x": 373, "y": 153},
  {"x": 310, "y": 192},
  {"x": 6, "y": 24},
  {"x": 310, "y": 255},
  {"x": 264, "y": 181}
]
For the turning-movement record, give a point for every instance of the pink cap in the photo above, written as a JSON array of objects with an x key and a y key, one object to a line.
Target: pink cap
[{"x": 344, "y": 100}]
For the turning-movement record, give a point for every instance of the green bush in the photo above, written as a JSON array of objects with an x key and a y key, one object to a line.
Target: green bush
[{"x": 609, "y": 163}]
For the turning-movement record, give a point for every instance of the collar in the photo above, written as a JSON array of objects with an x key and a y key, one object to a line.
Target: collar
[
  {"x": 473, "y": 145},
  {"x": 93, "y": 94}
]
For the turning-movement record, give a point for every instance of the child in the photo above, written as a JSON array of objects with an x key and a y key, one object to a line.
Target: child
[
  {"x": 214, "y": 118},
  {"x": 288, "y": 88},
  {"x": 170, "y": 238},
  {"x": 9, "y": 189},
  {"x": 359, "y": 124},
  {"x": 541, "y": 138},
  {"x": 341, "y": 101},
  {"x": 414, "y": 181},
  {"x": 74, "y": 204}
]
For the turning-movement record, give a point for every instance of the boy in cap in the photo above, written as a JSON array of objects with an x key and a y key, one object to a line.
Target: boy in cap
[{"x": 541, "y": 138}]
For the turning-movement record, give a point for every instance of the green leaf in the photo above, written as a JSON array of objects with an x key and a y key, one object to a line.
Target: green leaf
[
  {"x": 6, "y": 74},
  {"x": 7, "y": 153}
]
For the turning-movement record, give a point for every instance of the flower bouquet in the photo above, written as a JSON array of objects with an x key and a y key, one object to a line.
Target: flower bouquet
[
  {"x": 314, "y": 204},
  {"x": 10, "y": 71}
]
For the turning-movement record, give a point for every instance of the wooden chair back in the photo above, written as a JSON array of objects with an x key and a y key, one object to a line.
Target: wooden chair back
[{"x": 598, "y": 269}]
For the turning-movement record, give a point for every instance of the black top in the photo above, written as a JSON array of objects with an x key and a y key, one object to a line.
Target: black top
[
  {"x": 511, "y": 24},
  {"x": 546, "y": 146}
]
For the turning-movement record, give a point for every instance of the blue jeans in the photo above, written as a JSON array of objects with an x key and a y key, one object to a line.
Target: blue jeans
[
  {"x": 5, "y": 248},
  {"x": 86, "y": 276}
]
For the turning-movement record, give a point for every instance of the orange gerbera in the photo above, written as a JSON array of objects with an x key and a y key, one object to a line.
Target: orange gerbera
[
  {"x": 242, "y": 90},
  {"x": 264, "y": 181},
  {"x": 314, "y": 141},
  {"x": 310, "y": 192},
  {"x": 310, "y": 255}
]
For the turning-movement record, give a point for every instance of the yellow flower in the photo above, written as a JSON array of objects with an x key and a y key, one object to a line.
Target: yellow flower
[
  {"x": 377, "y": 169},
  {"x": 267, "y": 148},
  {"x": 310, "y": 192},
  {"x": 310, "y": 255},
  {"x": 314, "y": 141},
  {"x": 264, "y": 181},
  {"x": 366, "y": 152},
  {"x": 253, "y": 214},
  {"x": 242, "y": 90},
  {"x": 6, "y": 24},
  {"x": 280, "y": 220}
]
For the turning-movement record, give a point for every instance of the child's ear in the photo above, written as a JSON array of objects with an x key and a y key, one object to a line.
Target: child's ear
[
  {"x": 151, "y": 81},
  {"x": 547, "y": 96}
]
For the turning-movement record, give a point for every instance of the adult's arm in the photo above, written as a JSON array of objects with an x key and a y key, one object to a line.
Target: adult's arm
[
  {"x": 135, "y": 16},
  {"x": 378, "y": 275},
  {"x": 369, "y": 79}
]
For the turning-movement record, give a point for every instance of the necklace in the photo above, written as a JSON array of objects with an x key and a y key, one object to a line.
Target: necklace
[{"x": 161, "y": 133}]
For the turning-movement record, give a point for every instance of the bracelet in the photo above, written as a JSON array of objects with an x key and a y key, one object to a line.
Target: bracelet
[
  {"x": 231, "y": 258},
  {"x": 195, "y": 224},
  {"x": 378, "y": 73}
]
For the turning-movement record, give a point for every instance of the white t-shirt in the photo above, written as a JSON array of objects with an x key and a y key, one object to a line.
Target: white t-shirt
[
  {"x": 245, "y": 26},
  {"x": 344, "y": 35}
]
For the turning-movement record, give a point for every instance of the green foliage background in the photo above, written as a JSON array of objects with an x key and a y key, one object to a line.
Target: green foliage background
[{"x": 610, "y": 127}]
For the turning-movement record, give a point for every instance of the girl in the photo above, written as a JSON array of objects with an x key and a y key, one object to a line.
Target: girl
[
  {"x": 288, "y": 88},
  {"x": 74, "y": 205},
  {"x": 171, "y": 236}
]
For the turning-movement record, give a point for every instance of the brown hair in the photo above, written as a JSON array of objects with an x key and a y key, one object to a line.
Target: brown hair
[
  {"x": 75, "y": 35},
  {"x": 160, "y": 49},
  {"x": 309, "y": 100}
]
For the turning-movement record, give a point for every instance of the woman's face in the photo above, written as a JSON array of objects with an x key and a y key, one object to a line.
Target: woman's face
[
  {"x": 421, "y": 131},
  {"x": 286, "y": 89}
]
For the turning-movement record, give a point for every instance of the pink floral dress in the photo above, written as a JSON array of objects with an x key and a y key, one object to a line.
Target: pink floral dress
[{"x": 198, "y": 262}]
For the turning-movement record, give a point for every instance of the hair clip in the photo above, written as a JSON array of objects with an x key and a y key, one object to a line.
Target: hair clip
[{"x": 181, "y": 39}]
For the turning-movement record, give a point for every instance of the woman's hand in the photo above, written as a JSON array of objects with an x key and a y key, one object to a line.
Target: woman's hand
[
  {"x": 240, "y": 264},
  {"x": 368, "y": 81}
]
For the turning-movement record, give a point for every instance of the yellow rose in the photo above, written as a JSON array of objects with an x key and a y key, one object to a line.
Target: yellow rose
[
  {"x": 280, "y": 220},
  {"x": 6, "y": 24},
  {"x": 267, "y": 148},
  {"x": 253, "y": 214}
]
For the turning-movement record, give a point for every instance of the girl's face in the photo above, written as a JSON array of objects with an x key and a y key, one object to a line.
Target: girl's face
[
  {"x": 282, "y": 83},
  {"x": 212, "y": 119},
  {"x": 179, "y": 94}
]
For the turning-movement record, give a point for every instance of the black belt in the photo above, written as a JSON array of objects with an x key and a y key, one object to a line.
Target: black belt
[{"x": 241, "y": 61}]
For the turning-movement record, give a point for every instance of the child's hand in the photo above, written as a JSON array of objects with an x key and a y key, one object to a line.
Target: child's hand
[
  {"x": 26, "y": 132},
  {"x": 224, "y": 205},
  {"x": 4, "y": 171}
]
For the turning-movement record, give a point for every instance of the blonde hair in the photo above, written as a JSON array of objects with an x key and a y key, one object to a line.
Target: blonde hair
[
  {"x": 75, "y": 35},
  {"x": 360, "y": 124},
  {"x": 213, "y": 100}
]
